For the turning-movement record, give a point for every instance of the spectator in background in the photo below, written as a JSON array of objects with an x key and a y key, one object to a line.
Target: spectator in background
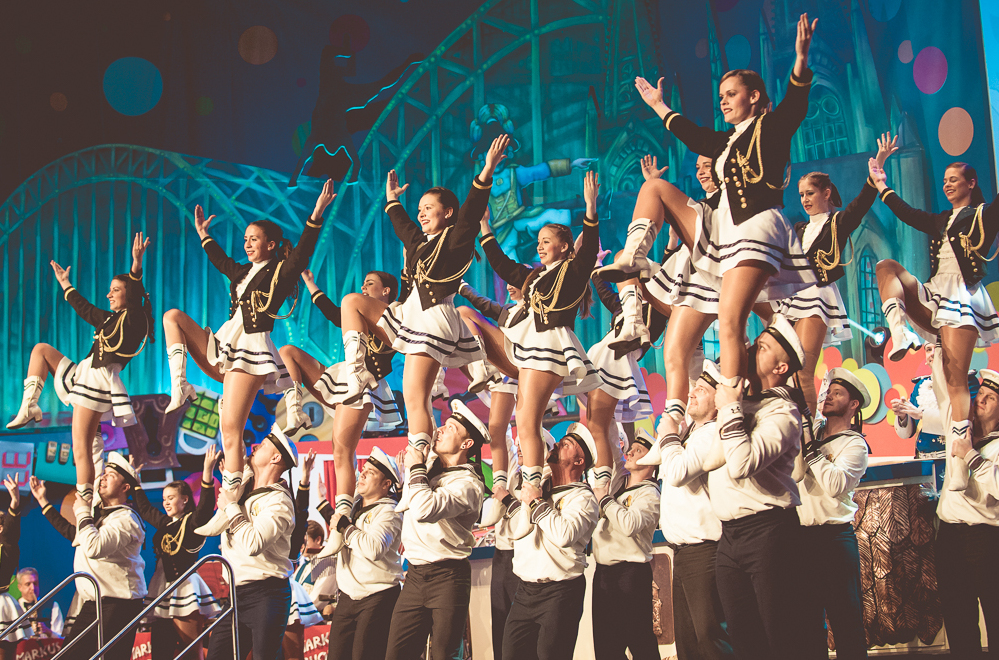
[{"x": 27, "y": 584}]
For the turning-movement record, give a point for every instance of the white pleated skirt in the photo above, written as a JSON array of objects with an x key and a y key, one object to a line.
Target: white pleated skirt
[
  {"x": 556, "y": 350},
  {"x": 303, "y": 610},
  {"x": 953, "y": 304},
  {"x": 621, "y": 379},
  {"x": 438, "y": 332},
  {"x": 95, "y": 388},
  {"x": 10, "y": 611},
  {"x": 721, "y": 245},
  {"x": 824, "y": 302},
  {"x": 190, "y": 597},
  {"x": 331, "y": 388},
  {"x": 253, "y": 352}
]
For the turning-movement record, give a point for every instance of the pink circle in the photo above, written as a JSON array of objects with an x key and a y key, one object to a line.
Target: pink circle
[
  {"x": 701, "y": 49},
  {"x": 905, "y": 52},
  {"x": 258, "y": 45},
  {"x": 930, "y": 70},
  {"x": 956, "y": 131},
  {"x": 350, "y": 32},
  {"x": 300, "y": 82}
]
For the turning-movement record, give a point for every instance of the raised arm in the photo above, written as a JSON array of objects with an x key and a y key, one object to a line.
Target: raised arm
[
  {"x": 586, "y": 256},
  {"x": 61, "y": 525},
  {"x": 206, "y": 501},
  {"x": 12, "y": 521},
  {"x": 842, "y": 475},
  {"x": 681, "y": 464},
  {"x": 253, "y": 536},
  {"x": 300, "y": 255},
  {"x": 607, "y": 295},
  {"x": 855, "y": 211},
  {"x": 222, "y": 261},
  {"x": 139, "y": 247},
  {"x": 630, "y": 520},
  {"x": 509, "y": 270},
  {"x": 329, "y": 308},
  {"x": 924, "y": 221},
  {"x": 90, "y": 313},
  {"x": 487, "y": 307},
  {"x": 466, "y": 225},
  {"x": 568, "y": 525},
  {"x": 700, "y": 140},
  {"x": 115, "y": 533},
  {"x": 406, "y": 230},
  {"x": 772, "y": 436},
  {"x": 378, "y": 537},
  {"x": 147, "y": 511},
  {"x": 431, "y": 505}
]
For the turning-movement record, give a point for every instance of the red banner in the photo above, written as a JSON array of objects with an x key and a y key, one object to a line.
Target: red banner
[
  {"x": 143, "y": 648},
  {"x": 315, "y": 642},
  {"x": 38, "y": 649}
]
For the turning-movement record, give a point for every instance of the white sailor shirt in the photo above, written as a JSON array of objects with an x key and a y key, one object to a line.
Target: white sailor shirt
[
  {"x": 258, "y": 540},
  {"x": 370, "y": 561},
  {"x": 761, "y": 437},
  {"x": 318, "y": 578},
  {"x": 626, "y": 525},
  {"x": 836, "y": 464},
  {"x": 442, "y": 511},
  {"x": 978, "y": 504},
  {"x": 109, "y": 549},
  {"x": 554, "y": 550},
  {"x": 687, "y": 516},
  {"x": 504, "y": 538}
]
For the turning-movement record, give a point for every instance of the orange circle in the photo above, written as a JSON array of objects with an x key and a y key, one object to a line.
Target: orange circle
[
  {"x": 258, "y": 45},
  {"x": 58, "y": 101},
  {"x": 956, "y": 131}
]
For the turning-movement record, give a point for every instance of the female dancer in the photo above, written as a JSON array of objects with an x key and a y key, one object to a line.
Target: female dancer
[
  {"x": 180, "y": 618},
  {"x": 10, "y": 535},
  {"x": 327, "y": 385},
  {"x": 746, "y": 244},
  {"x": 425, "y": 327},
  {"x": 241, "y": 354},
  {"x": 93, "y": 387},
  {"x": 544, "y": 347},
  {"x": 817, "y": 313},
  {"x": 953, "y": 303}
]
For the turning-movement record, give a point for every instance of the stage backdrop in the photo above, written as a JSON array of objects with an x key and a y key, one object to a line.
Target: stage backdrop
[{"x": 121, "y": 118}]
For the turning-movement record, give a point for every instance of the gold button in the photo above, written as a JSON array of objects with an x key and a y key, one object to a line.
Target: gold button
[
  {"x": 726, "y": 179},
  {"x": 744, "y": 205},
  {"x": 433, "y": 300},
  {"x": 733, "y": 160}
]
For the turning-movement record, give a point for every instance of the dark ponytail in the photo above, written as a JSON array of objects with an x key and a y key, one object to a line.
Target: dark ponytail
[
  {"x": 136, "y": 297},
  {"x": 273, "y": 232},
  {"x": 977, "y": 196},
  {"x": 822, "y": 181}
]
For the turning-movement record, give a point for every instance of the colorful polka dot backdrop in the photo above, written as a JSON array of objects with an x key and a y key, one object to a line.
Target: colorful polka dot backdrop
[{"x": 930, "y": 70}]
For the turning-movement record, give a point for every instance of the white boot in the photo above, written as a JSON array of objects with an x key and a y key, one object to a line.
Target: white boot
[
  {"x": 483, "y": 374},
  {"x": 235, "y": 483},
  {"x": 295, "y": 417},
  {"x": 633, "y": 260},
  {"x": 675, "y": 409},
  {"x": 440, "y": 391},
  {"x": 633, "y": 334},
  {"x": 355, "y": 372},
  {"x": 902, "y": 338},
  {"x": 180, "y": 389},
  {"x": 419, "y": 441},
  {"x": 29, "y": 410},
  {"x": 958, "y": 474}
]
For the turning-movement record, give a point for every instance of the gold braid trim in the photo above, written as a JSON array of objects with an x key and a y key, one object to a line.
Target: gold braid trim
[
  {"x": 972, "y": 251},
  {"x": 755, "y": 145},
  {"x": 174, "y": 543},
  {"x": 425, "y": 265},
  {"x": 827, "y": 260},
  {"x": 104, "y": 341},
  {"x": 543, "y": 304},
  {"x": 376, "y": 345},
  {"x": 259, "y": 301}
]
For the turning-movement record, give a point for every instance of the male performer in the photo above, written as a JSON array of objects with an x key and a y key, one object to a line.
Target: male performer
[
  {"x": 754, "y": 495},
  {"x": 369, "y": 569},
  {"x": 437, "y": 536},
  {"x": 968, "y": 536},
  {"x": 548, "y": 555},
  {"x": 107, "y": 547},
  {"x": 622, "y": 548},
  {"x": 257, "y": 543},
  {"x": 837, "y": 460},
  {"x": 691, "y": 527}
]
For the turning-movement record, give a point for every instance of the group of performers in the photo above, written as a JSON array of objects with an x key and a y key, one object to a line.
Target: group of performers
[{"x": 751, "y": 490}]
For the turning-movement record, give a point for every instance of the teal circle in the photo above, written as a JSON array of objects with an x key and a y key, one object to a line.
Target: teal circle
[
  {"x": 738, "y": 52},
  {"x": 133, "y": 86}
]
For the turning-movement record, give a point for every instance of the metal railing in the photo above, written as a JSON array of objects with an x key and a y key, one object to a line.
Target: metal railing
[
  {"x": 169, "y": 590},
  {"x": 49, "y": 596}
]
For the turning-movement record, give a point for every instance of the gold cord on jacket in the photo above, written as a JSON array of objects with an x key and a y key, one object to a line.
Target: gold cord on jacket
[
  {"x": 172, "y": 543},
  {"x": 104, "y": 341},
  {"x": 260, "y": 301},
  {"x": 544, "y": 303},
  {"x": 972, "y": 251},
  {"x": 755, "y": 145},
  {"x": 425, "y": 265},
  {"x": 827, "y": 260}
]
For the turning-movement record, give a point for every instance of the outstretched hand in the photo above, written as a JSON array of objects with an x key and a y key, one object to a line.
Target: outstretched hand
[
  {"x": 803, "y": 41},
  {"x": 653, "y": 96},
  {"x": 496, "y": 153},
  {"x": 61, "y": 274},
  {"x": 325, "y": 198},
  {"x": 200, "y": 222},
  {"x": 139, "y": 247},
  {"x": 650, "y": 169},
  {"x": 38, "y": 490},
  {"x": 484, "y": 223},
  {"x": 307, "y": 463},
  {"x": 392, "y": 188},
  {"x": 877, "y": 174},
  {"x": 308, "y": 277},
  {"x": 15, "y": 493},
  {"x": 591, "y": 188},
  {"x": 211, "y": 458},
  {"x": 887, "y": 145}
]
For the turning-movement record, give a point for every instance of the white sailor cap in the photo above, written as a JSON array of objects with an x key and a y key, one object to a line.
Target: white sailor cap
[
  {"x": 120, "y": 464},
  {"x": 711, "y": 374},
  {"x": 287, "y": 448},
  {"x": 464, "y": 416},
  {"x": 582, "y": 436},
  {"x": 386, "y": 464},
  {"x": 644, "y": 438},
  {"x": 990, "y": 379},
  {"x": 782, "y": 330},
  {"x": 548, "y": 439},
  {"x": 857, "y": 389}
]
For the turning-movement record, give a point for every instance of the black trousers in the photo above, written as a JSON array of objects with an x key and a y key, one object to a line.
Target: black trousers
[
  {"x": 622, "y": 611},
  {"x": 544, "y": 620},
  {"x": 966, "y": 575},
  {"x": 262, "y": 606},
  {"x": 758, "y": 576},
  {"x": 117, "y": 613},
  {"x": 359, "y": 628},
  {"x": 502, "y": 588},
  {"x": 833, "y": 591},
  {"x": 434, "y": 601},
  {"x": 698, "y": 618}
]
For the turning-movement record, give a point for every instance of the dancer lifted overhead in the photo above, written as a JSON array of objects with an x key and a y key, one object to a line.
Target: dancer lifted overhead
[
  {"x": 241, "y": 354},
  {"x": 746, "y": 244},
  {"x": 94, "y": 387},
  {"x": 426, "y": 326}
]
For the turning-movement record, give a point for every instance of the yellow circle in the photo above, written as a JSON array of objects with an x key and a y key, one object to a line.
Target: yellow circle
[
  {"x": 873, "y": 386},
  {"x": 851, "y": 365}
]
